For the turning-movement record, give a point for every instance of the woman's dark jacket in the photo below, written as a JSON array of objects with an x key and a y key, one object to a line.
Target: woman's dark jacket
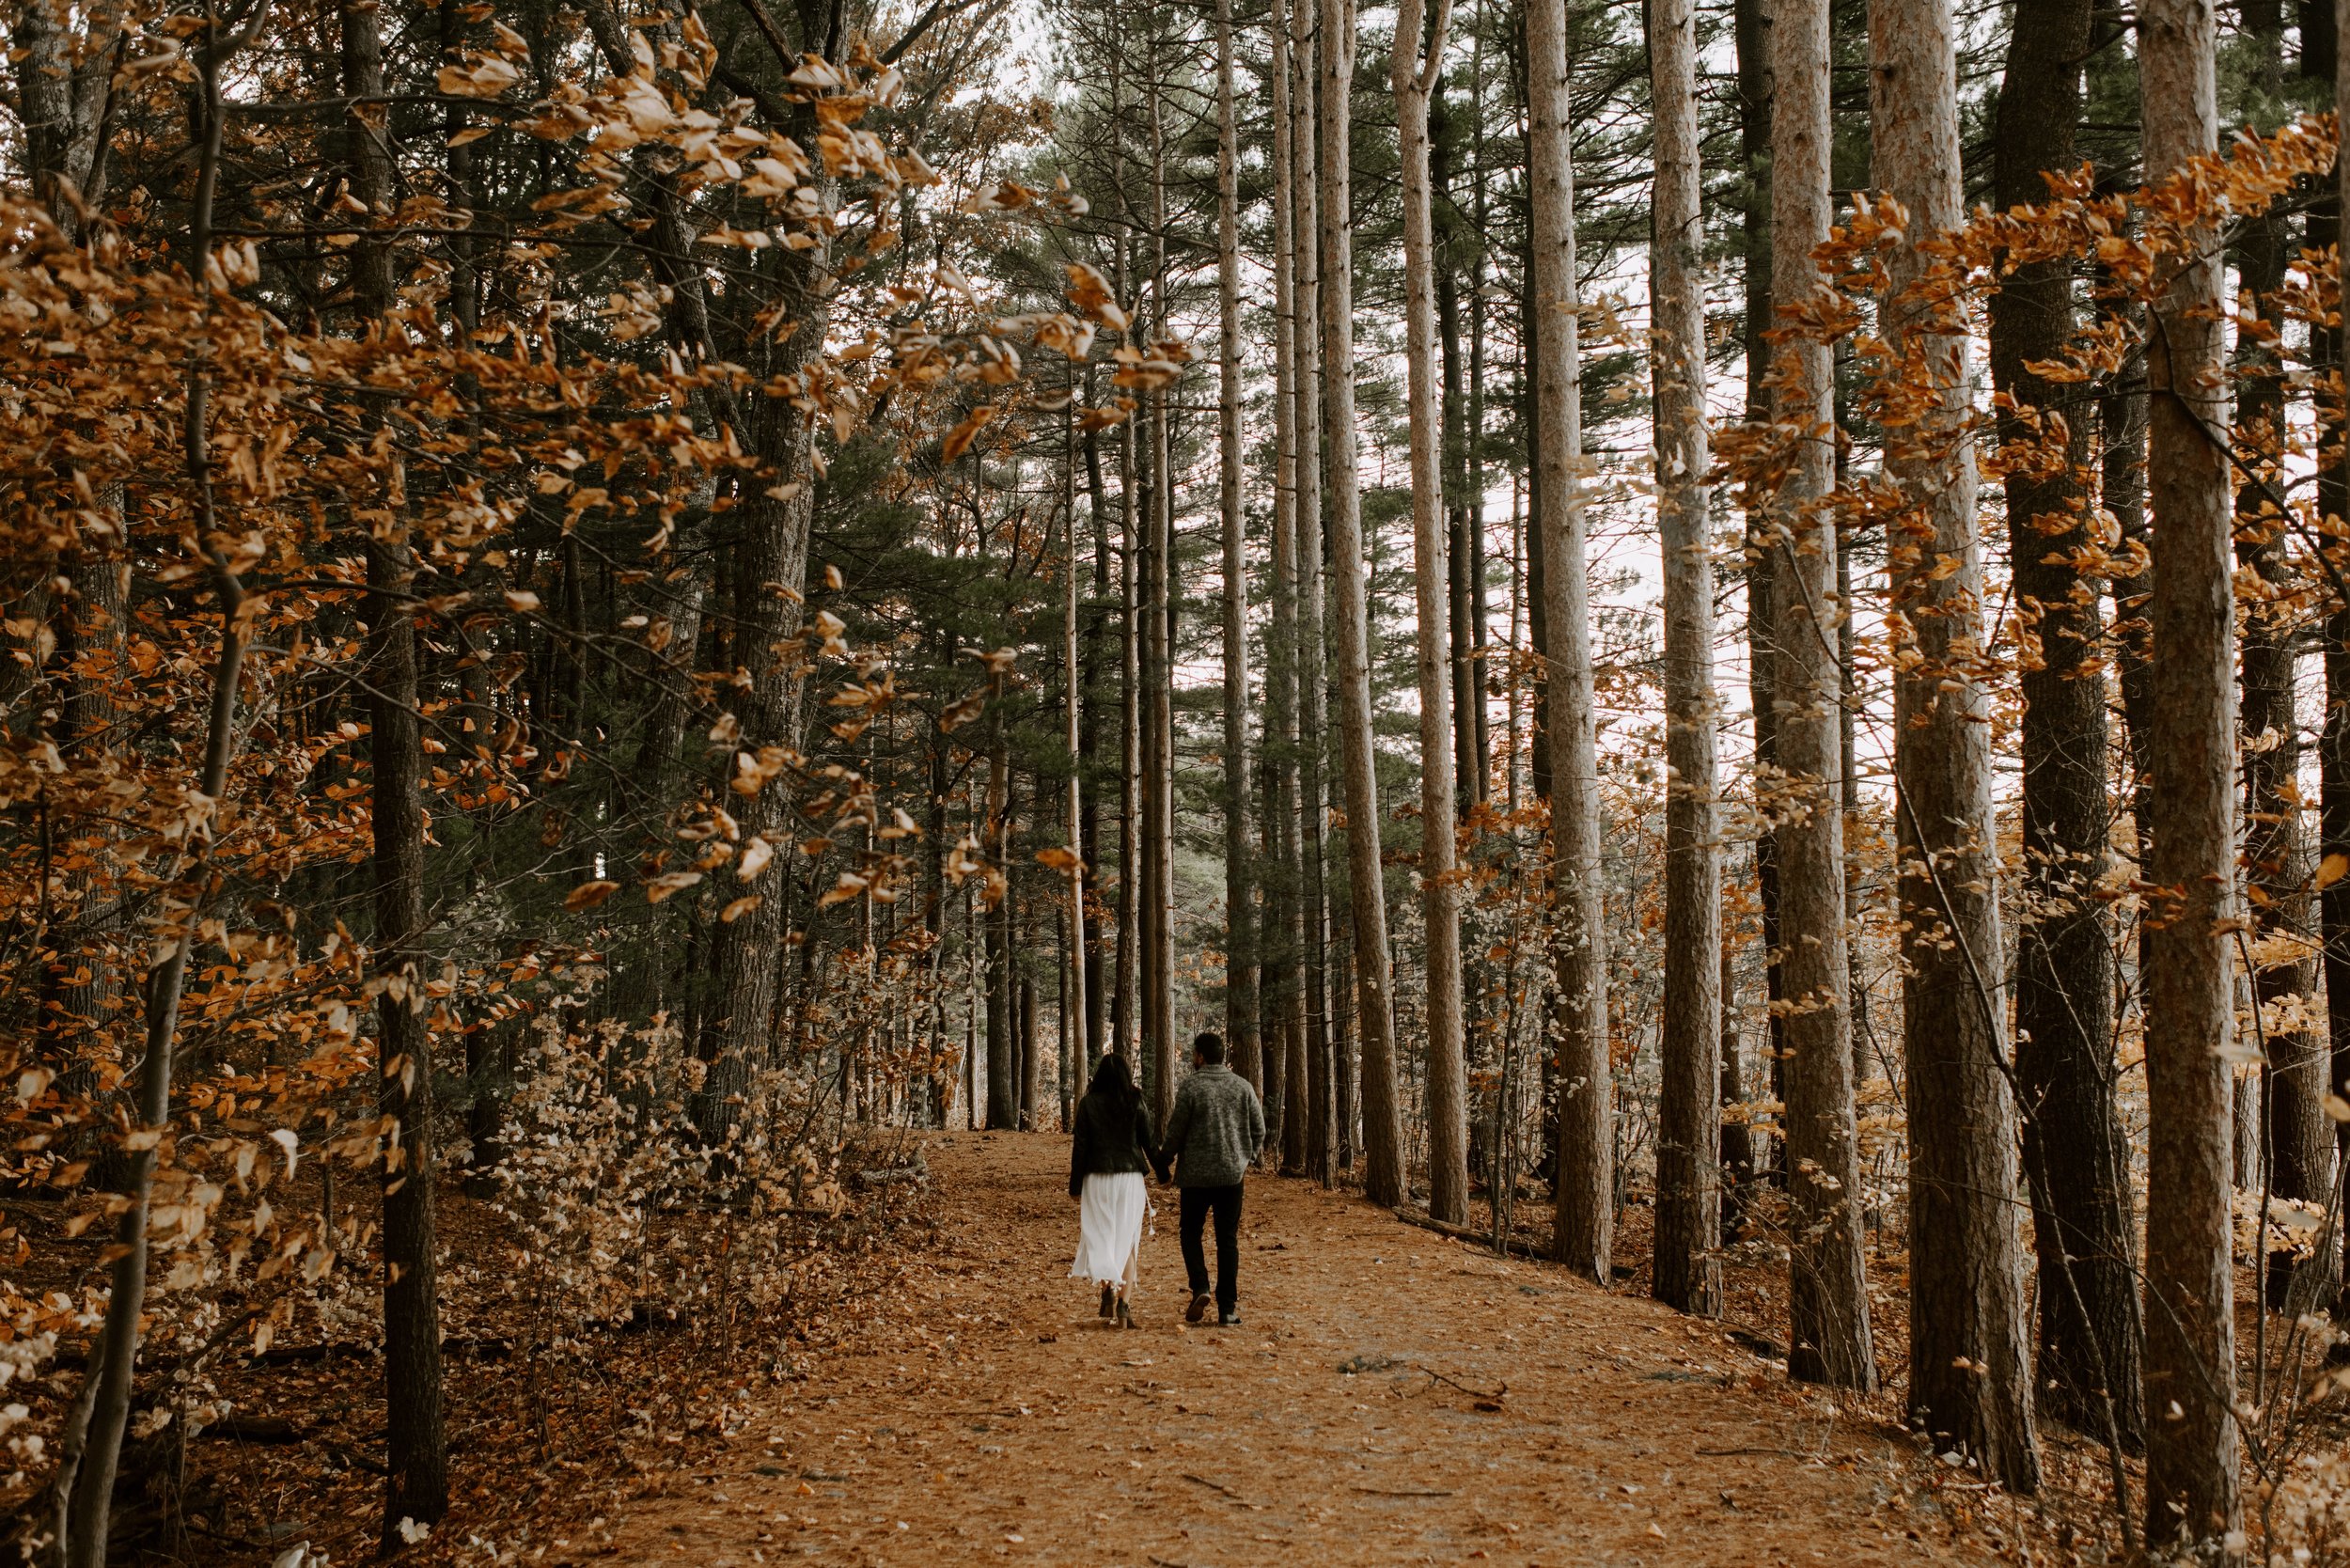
[{"x": 1106, "y": 1141}]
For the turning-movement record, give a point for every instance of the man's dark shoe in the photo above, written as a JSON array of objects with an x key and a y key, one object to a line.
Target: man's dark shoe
[
  {"x": 1229, "y": 1319},
  {"x": 1198, "y": 1308},
  {"x": 1109, "y": 1300}
]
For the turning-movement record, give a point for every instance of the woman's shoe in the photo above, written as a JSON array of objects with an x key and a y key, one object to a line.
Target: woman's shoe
[
  {"x": 1125, "y": 1314},
  {"x": 1109, "y": 1300}
]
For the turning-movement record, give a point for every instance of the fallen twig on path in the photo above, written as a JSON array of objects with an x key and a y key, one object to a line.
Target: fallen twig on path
[
  {"x": 1493, "y": 1398},
  {"x": 1219, "y": 1486},
  {"x": 1479, "y": 1238}
]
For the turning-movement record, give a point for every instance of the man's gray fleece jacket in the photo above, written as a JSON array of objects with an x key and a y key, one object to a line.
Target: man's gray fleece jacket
[{"x": 1216, "y": 1130}]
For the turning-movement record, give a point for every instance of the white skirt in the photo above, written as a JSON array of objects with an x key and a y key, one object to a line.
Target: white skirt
[{"x": 1110, "y": 1230}]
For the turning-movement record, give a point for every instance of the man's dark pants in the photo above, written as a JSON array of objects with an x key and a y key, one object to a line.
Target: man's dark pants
[{"x": 1196, "y": 1204}]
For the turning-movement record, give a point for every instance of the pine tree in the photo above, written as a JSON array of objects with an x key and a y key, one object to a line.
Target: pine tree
[
  {"x": 2190, "y": 1360},
  {"x": 1583, "y": 1226},
  {"x": 1686, "y": 1269},
  {"x": 1827, "y": 1297}
]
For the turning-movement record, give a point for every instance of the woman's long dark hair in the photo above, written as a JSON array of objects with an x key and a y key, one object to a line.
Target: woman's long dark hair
[{"x": 1114, "y": 1085}]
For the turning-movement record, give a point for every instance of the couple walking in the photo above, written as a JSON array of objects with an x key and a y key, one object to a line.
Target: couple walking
[{"x": 1212, "y": 1139}]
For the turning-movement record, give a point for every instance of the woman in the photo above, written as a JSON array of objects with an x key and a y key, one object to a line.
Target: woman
[{"x": 1108, "y": 1158}]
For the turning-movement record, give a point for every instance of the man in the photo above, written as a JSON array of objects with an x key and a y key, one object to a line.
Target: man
[{"x": 1213, "y": 1138}]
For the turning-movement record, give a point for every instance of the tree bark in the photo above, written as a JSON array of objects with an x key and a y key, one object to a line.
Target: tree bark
[
  {"x": 2190, "y": 1363},
  {"x": 1031, "y": 1063},
  {"x": 1383, "y": 1127},
  {"x": 2073, "y": 1144},
  {"x": 1686, "y": 1272},
  {"x": 1462, "y": 508},
  {"x": 1097, "y": 996},
  {"x": 1003, "y": 1088},
  {"x": 85, "y": 1481},
  {"x": 1737, "y": 1136},
  {"x": 65, "y": 87},
  {"x": 415, "y": 1440},
  {"x": 2294, "y": 1139},
  {"x": 1751, "y": 25},
  {"x": 1078, "y": 993},
  {"x": 1970, "y": 1364},
  {"x": 2323, "y": 22},
  {"x": 1310, "y": 1144},
  {"x": 1446, "y": 1061},
  {"x": 1284, "y": 977},
  {"x": 1583, "y": 1223},
  {"x": 1240, "y": 894},
  {"x": 1123, "y": 1034},
  {"x": 1827, "y": 1295},
  {"x": 1158, "y": 839}
]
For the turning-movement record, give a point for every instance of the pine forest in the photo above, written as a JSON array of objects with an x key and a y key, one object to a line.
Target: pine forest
[{"x": 644, "y": 642}]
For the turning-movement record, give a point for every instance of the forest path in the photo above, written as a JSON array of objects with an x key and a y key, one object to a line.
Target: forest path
[{"x": 987, "y": 1414}]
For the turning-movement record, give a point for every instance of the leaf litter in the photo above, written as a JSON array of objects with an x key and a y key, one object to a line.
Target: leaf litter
[{"x": 1285, "y": 1438}]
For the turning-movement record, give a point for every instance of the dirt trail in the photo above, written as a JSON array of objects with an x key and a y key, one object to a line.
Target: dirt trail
[{"x": 1350, "y": 1419}]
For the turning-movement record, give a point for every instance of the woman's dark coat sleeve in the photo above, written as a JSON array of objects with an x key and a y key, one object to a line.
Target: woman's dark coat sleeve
[{"x": 1080, "y": 1148}]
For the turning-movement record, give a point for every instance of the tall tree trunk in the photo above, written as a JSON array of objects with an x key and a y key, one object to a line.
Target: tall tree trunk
[
  {"x": 1075, "y": 997},
  {"x": 1065, "y": 1074},
  {"x": 1448, "y": 1060},
  {"x": 1828, "y": 1301},
  {"x": 1752, "y": 36},
  {"x": 415, "y": 1440},
  {"x": 1461, "y": 505},
  {"x": 1097, "y": 996},
  {"x": 2076, "y": 1151},
  {"x": 1686, "y": 1271},
  {"x": 1737, "y": 1136},
  {"x": 90, "y": 1456},
  {"x": 1583, "y": 1223},
  {"x": 1003, "y": 1086},
  {"x": 1124, "y": 1034},
  {"x": 2122, "y": 421},
  {"x": 1132, "y": 701},
  {"x": 1970, "y": 1363},
  {"x": 1478, "y": 675},
  {"x": 2189, "y": 1366},
  {"x": 1462, "y": 526},
  {"x": 1240, "y": 893},
  {"x": 1308, "y": 1141},
  {"x": 1031, "y": 1063},
  {"x": 1383, "y": 1125},
  {"x": 1158, "y": 837},
  {"x": 772, "y": 547},
  {"x": 1847, "y": 742},
  {"x": 767, "y": 555},
  {"x": 1537, "y": 626},
  {"x": 65, "y": 87},
  {"x": 2294, "y": 1136},
  {"x": 2322, "y": 57},
  {"x": 1284, "y": 977}
]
